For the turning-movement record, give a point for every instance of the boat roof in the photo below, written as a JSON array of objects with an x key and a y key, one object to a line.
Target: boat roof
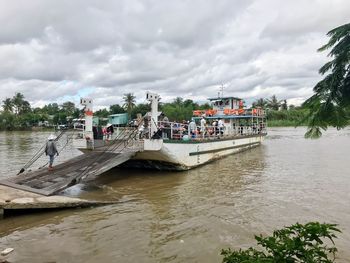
[
  {"x": 118, "y": 114},
  {"x": 223, "y": 98}
]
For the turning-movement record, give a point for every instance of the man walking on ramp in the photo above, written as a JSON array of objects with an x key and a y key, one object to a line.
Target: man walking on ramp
[{"x": 51, "y": 150}]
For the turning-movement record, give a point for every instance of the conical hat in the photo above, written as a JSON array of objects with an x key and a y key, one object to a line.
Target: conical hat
[{"x": 51, "y": 137}]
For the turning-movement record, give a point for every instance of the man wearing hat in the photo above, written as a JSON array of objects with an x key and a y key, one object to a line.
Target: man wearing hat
[{"x": 51, "y": 149}]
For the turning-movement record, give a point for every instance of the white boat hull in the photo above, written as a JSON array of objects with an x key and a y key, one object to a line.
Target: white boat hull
[{"x": 184, "y": 155}]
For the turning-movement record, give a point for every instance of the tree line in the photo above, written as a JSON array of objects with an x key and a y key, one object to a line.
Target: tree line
[{"x": 18, "y": 114}]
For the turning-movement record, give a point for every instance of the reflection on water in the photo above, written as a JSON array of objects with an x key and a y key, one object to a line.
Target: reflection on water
[{"x": 188, "y": 216}]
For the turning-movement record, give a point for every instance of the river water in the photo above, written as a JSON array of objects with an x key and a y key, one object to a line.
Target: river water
[{"x": 187, "y": 216}]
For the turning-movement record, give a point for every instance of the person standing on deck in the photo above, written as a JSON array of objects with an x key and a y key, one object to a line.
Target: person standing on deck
[
  {"x": 203, "y": 123},
  {"x": 221, "y": 126},
  {"x": 192, "y": 128},
  {"x": 51, "y": 150},
  {"x": 110, "y": 131}
]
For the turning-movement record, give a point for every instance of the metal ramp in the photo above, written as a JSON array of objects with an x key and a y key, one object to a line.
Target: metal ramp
[
  {"x": 67, "y": 174},
  {"x": 92, "y": 163}
]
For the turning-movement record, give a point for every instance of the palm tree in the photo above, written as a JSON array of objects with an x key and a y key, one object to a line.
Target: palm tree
[
  {"x": 129, "y": 102},
  {"x": 260, "y": 103},
  {"x": 273, "y": 103},
  {"x": 284, "y": 105},
  {"x": 178, "y": 101},
  {"x": 25, "y": 107},
  {"x": 17, "y": 101},
  {"x": 330, "y": 105},
  {"x": 7, "y": 105}
]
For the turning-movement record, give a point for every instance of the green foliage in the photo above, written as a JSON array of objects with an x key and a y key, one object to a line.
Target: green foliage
[
  {"x": 330, "y": 105},
  {"x": 17, "y": 113},
  {"x": 273, "y": 103},
  {"x": 291, "y": 117},
  {"x": 180, "y": 110},
  {"x": 293, "y": 244},
  {"x": 103, "y": 113},
  {"x": 51, "y": 108},
  {"x": 115, "y": 109},
  {"x": 262, "y": 103},
  {"x": 68, "y": 107},
  {"x": 141, "y": 108},
  {"x": 8, "y": 105}
]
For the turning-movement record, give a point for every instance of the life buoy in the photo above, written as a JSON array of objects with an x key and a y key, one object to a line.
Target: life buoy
[
  {"x": 197, "y": 113},
  {"x": 210, "y": 112},
  {"x": 227, "y": 111}
]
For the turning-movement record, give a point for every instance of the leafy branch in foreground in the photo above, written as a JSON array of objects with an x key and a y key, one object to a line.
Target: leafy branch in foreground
[
  {"x": 330, "y": 105},
  {"x": 293, "y": 244}
]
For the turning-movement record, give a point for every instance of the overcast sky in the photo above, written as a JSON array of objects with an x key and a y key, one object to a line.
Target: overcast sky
[{"x": 54, "y": 51}]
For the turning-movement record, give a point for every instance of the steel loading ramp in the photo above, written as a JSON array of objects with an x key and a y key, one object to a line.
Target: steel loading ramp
[{"x": 67, "y": 174}]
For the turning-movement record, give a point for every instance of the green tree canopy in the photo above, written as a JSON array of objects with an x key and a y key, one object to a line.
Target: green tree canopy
[
  {"x": 115, "y": 109},
  {"x": 51, "y": 108},
  {"x": 330, "y": 105},
  {"x": 68, "y": 107},
  {"x": 141, "y": 108},
  {"x": 7, "y": 105},
  {"x": 17, "y": 101},
  {"x": 102, "y": 113},
  {"x": 273, "y": 103},
  {"x": 260, "y": 103}
]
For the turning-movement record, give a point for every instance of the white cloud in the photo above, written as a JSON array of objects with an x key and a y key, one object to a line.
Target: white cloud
[{"x": 57, "y": 50}]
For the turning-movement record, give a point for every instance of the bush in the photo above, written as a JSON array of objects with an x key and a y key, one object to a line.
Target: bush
[{"x": 294, "y": 244}]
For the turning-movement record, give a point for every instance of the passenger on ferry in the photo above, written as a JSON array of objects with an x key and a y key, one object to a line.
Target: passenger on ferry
[
  {"x": 167, "y": 126},
  {"x": 110, "y": 131},
  {"x": 221, "y": 126},
  {"x": 215, "y": 127},
  {"x": 203, "y": 123},
  {"x": 104, "y": 133},
  {"x": 184, "y": 127},
  {"x": 254, "y": 128},
  {"x": 141, "y": 131},
  {"x": 192, "y": 128}
]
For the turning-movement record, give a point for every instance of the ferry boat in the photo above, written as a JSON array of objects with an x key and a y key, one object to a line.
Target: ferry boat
[{"x": 225, "y": 129}]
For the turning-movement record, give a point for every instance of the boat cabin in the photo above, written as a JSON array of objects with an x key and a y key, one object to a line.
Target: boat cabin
[{"x": 226, "y": 103}]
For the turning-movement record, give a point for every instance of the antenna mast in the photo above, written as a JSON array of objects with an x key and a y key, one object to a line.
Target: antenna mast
[{"x": 222, "y": 90}]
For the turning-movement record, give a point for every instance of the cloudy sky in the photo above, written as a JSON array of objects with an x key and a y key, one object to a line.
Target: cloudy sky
[{"x": 54, "y": 51}]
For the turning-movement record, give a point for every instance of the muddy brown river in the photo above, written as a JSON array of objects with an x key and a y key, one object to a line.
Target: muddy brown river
[{"x": 186, "y": 216}]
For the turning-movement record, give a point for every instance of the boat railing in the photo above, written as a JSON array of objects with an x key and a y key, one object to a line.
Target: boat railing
[{"x": 182, "y": 131}]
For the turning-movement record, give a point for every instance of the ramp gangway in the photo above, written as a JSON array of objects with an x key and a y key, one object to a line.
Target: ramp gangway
[
  {"x": 95, "y": 161},
  {"x": 66, "y": 174}
]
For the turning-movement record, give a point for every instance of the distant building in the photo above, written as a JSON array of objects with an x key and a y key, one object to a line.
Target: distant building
[{"x": 118, "y": 119}]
